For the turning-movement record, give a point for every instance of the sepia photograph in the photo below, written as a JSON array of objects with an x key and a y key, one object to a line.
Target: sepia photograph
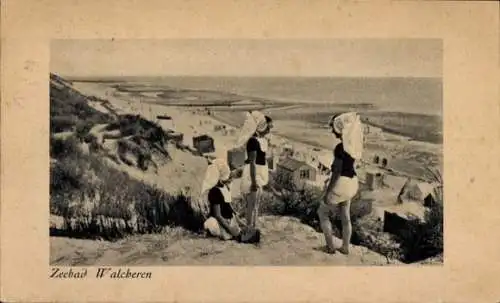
[{"x": 250, "y": 152}]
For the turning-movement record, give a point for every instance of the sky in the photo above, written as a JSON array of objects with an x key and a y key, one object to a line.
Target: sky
[{"x": 217, "y": 57}]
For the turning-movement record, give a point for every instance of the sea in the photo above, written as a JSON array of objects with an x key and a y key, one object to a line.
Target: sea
[{"x": 399, "y": 94}]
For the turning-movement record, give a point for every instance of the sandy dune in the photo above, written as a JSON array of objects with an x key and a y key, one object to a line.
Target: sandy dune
[
  {"x": 185, "y": 169},
  {"x": 285, "y": 242}
]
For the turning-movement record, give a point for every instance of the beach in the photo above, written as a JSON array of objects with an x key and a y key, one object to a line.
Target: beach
[{"x": 301, "y": 125}]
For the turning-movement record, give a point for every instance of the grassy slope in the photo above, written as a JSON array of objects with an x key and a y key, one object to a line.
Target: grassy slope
[
  {"x": 69, "y": 108},
  {"x": 84, "y": 187}
]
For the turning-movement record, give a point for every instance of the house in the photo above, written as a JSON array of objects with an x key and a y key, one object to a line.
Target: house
[
  {"x": 163, "y": 117},
  {"x": 219, "y": 127},
  {"x": 394, "y": 223},
  {"x": 176, "y": 137},
  {"x": 398, "y": 219},
  {"x": 272, "y": 161},
  {"x": 374, "y": 179},
  {"x": 298, "y": 173},
  {"x": 414, "y": 190},
  {"x": 204, "y": 144},
  {"x": 325, "y": 161},
  {"x": 394, "y": 182},
  {"x": 430, "y": 200},
  {"x": 287, "y": 150},
  {"x": 368, "y": 129},
  {"x": 384, "y": 162},
  {"x": 435, "y": 196},
  {"x": 236, "y": 158},
  {"x": 276, "y": 141}
]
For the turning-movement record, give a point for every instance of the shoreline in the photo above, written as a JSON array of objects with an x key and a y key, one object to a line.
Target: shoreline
[
  {"x": 274, "y": 107},
  {"x": 175, "y": 82},
  {"x": 278, "y": 103},
  {"x": 138, "y": 105}
]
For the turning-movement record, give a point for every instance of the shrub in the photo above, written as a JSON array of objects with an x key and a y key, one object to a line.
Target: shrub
[
  {"x": 303, "y": 203},
  {"x": 68, "y": 108},
  {"x": 62, "y": 123},
  {"x": 182, "y": 213},
  {"x": 425, "y": 239},
  {"x": 82, "y": 186},
  {"x": 292, "y": 201},
  {"x": 433, "y": 229},
  {"x": 82, "y": 129},
  {"x": 62, "y": 148},
  {"x": 67, "y": 176},
  {"x": 70, "y": 179},
  {"x": 368, "y": 232},
  {"x": 135, "y": 125}
]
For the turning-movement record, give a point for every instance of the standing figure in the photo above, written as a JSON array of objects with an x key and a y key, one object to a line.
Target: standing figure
[
  {"x": 255, "y": 171},
  {"x": 343, "y": 184}
]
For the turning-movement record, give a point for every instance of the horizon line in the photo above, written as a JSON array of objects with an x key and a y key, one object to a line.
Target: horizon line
[{"x": 239, "y": 76}]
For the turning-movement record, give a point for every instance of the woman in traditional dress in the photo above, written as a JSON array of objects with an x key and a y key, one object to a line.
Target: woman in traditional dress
[
  {"x": 222, "y": 222},
  {"x": 343, "y": 183},
  {"x": 255, "y": 171}
]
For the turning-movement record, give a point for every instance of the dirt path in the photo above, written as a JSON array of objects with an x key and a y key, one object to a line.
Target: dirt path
[{"x": 285, "y": 241}]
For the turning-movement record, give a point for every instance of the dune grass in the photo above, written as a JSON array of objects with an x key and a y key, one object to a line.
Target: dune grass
[
  {"x": 69, "y": 108},
  {"x": 85, "y": 187},
  {"x": 96, "y": 199}
]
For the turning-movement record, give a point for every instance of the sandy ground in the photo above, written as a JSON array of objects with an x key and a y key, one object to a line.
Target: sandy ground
[{"x": 285, "y": 242}]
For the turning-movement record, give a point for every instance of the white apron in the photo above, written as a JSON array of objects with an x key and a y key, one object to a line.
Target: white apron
[
  {"x": 344, "y": 190},
  {"x": 226, "y": 192},
  {"x": 261, "y": 172}
]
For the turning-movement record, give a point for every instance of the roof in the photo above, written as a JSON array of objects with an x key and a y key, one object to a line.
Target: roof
[
  {"x": 405, "y": 209},
  {"x": 426, "y": 188},
  {"x": 202, "y": 137},
  {"x": 395, "y": 182},
  {"x": 326, "y": 159},
  {"x": 423, "y": 187},
  {"x": 292, "y": 164}
]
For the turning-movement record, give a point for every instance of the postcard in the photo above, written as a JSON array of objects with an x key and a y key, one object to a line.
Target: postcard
[{"x": 249, "y": 151}]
